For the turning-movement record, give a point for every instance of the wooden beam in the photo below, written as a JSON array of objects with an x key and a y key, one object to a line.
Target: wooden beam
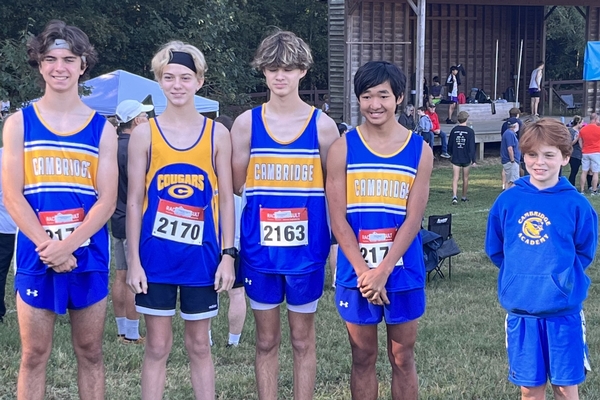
[
  {"x": 420, "y": 59},
  {"x": 583, "y": 14},
  {"x": 412, "y": 5},
  {"x": 549, "y": 13},
  {"x": 518, "y": 2}
]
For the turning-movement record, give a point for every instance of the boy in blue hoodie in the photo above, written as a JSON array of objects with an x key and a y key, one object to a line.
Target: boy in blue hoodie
[{"x": 542, "y": 235}]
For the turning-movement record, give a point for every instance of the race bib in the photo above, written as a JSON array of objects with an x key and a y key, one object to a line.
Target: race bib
[
  {"x": 179, "y": 222},
  {"x": 375, "y": 244},
  {"x": 60, "y": 224},
  {"x": 284, "y": 228}
]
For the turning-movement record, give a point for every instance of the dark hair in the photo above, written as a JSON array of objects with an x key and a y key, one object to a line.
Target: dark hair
[
  {"x": 453, "y": 68},
  {"x": 513, "y": 112},
  {"x": 436, "y": 79},
  {"x": 540, "y": 63},
  {"x": 546, "y": 131},
  {"x": 423, "y": 108},
  {"x": 576, "y": 120},
  {"x": 225, "y": 120},
  {"x": 375, "y": 73},
  {"x": 78, "y": 41},
  {"x": 342, "y": 128}
]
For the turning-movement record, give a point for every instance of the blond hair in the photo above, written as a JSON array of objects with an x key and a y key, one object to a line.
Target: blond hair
[
  {"x": 162, "y": 58},
  {"x": 283, "y": 49}
]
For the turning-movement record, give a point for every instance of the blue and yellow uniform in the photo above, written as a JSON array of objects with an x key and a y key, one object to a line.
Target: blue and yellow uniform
[
  {"x": 378, "y": 187},
  {"x": 180, "y": 236},
  {"x": 60, "y": 184},
  {"x": 284, "y": 222}
]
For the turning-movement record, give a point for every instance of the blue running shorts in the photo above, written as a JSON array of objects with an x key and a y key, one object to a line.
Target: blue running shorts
[{"x": 404, "y": 306}]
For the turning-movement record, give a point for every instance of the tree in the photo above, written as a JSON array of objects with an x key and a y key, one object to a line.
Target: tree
[{"x": 565, "y": 44}]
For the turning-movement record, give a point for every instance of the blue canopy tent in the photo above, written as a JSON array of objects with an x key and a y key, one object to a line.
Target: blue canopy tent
[
  {"x": 591, "y": 62},
  {"x": 108, "y": 90}
]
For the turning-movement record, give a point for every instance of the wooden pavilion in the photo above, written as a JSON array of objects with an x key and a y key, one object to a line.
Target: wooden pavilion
[{"x": 455, "y": 32}]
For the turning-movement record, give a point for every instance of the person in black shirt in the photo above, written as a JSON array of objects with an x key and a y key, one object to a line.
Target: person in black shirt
[
  {"x": 129, "y": 113},
  {"x": 462, "y": 147}
]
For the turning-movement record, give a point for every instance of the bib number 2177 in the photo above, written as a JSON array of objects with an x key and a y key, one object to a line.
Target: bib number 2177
[{"x": 284, "y": 228}]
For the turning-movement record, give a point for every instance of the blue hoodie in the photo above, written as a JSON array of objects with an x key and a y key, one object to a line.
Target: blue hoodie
[{"x": 542, "y": 241}]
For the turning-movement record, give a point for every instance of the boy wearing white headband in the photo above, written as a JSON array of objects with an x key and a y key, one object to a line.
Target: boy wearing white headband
[{"x": 59, "y": 167}]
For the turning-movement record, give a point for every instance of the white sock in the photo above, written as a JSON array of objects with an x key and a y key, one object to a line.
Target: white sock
[
  {"x": 234, "y": 339},
  {"x": 210, "y": 337},
  {"x": 133, "y": 326},
  {"x": 121, "y": 325}
]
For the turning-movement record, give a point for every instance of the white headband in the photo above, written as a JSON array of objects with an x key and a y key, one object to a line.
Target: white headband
[{"x": 62, "y": 44}]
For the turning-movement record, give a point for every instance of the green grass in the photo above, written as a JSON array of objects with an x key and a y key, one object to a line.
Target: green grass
[{"x": 460, "y": 348}]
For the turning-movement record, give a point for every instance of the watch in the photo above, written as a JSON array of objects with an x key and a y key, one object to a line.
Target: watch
[{"x": 232, "y": 252}]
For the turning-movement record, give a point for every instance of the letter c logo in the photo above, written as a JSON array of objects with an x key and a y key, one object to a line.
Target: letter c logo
[{"x": 181, "y": 191}]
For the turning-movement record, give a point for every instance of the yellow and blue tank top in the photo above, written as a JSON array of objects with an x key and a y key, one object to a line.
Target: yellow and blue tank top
[
  {"x": 284, "y": 224},
  {"x": 180, "y": 236},
  {"x": 378, "y": 187},
  {"x": 60, "y": 185}
]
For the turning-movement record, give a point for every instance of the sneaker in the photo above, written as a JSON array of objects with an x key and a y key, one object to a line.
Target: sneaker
[
  {"x": 449, "y": 121},
  {"x": 230, "y": 345},
  {"x": 445, "y": 155},
  {"x": 464, "y": 199},
  {"x": 594, "y": 193},
  {"x": 454, "y": 201},
  {"x": 140, "y": 340}
]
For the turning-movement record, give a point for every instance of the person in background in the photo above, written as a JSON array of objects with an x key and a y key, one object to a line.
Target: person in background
[
  {"x": 407, "y": 118},
  {"x": 589, "y": 138},
  {"x": 8, "y": 229},
  {"x": 437, "y": 130},
  {"x": 435, "y": 92},
  {"x": 535, "y": 88},
  {"x": 452, "y": 83},
  {"x": 425, "y": 126},
  {"x": 236, "y": 315},
  {"x": 510, "y": 153},
  {"x": 462, "y": 148},
  {"x": 129, "y": 114},
  {"x": 575, "y": 159}
]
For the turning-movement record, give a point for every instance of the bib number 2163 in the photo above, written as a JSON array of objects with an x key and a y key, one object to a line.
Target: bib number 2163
[{"x": 284, "y": 228}]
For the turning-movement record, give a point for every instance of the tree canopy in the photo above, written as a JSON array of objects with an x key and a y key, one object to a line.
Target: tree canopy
[{"x": 127, "y": 33}]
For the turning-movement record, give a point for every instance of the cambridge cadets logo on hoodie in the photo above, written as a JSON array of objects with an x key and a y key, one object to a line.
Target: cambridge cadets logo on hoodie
[{"x": 532, "y": 228}]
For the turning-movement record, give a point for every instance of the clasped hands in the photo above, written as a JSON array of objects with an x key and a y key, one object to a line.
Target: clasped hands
[
  {"x": 55, "y": 254},
  {"x": 371, "y": 284}
]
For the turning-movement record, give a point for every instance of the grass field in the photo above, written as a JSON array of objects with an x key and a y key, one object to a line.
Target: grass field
[{"x": 460, "y": 348}]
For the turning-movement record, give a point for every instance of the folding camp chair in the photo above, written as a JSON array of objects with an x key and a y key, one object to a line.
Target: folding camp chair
[
  {"x": 570, "y": 104},
  {"x": 442, "y": 225}
]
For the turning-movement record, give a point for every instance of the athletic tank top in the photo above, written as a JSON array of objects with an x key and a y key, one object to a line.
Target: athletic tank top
[
  {"x": 533, "y": 84},
  {"x": 60, "y": 186},
  {"x": 378, "y": 187},
  {"x": 180, "y": 236},
  {"x": 285, "y": 225}
]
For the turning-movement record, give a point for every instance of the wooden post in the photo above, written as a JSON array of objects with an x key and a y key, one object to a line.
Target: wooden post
[
  {"x": 496, "y": 74},
  {"x": 519, "y": 71},
  {"x": 420, "y": 56}
]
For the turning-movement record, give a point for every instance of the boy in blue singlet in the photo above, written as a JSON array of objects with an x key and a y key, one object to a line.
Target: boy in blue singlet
[
  {"x": 279, "y": 152},
  {"x": 60, "y": 187},
  {"x": 176, "y": 208},
  {"x": 377, "y": 189},
  {"x": 544, "y": 220}
]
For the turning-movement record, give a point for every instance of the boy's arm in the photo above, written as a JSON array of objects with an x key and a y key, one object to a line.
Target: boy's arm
[
  {"x": 13, "y": 181},
  {"x": 56, "y": 252},
  {"x": 241, "y": 134},
  {"x": 335, "y": 190},
  {"x": 225, "y": 275},
  {"x": 494, "y": 238},
  {"x": 586, "y": 235},
  {"x": 372, "y": 282},
  {"x": 511, "y": 153},
  {"x": 471, "y": 140},
  {"x": 328, "y": 133},
  {"x": 139, "y": 145}
]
